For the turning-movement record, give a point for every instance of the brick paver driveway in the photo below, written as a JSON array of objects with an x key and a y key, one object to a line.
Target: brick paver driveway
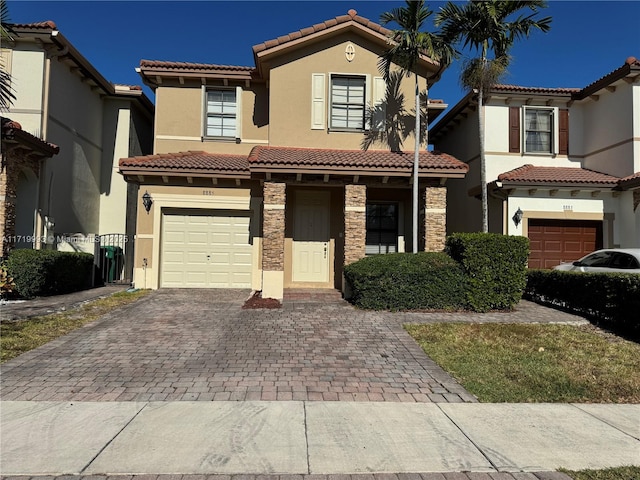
[{"x": 200, "y": 345}]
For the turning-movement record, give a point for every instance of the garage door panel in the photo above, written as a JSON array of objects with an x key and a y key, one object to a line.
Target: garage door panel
[
  {"x": 206, "y": 250},
  {"x": 555, "y": 241}
]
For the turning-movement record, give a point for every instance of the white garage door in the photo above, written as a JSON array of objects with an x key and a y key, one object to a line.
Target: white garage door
[{"x": 206, "y": 250}]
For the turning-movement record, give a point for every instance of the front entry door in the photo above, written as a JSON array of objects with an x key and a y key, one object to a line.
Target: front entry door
[{"x": 311, "y": 237}]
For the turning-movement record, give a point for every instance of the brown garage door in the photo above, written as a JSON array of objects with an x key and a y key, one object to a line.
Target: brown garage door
[{"x": 557, "y": 241}]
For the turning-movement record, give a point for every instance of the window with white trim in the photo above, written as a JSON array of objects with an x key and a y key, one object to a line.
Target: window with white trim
[
  {"x": 348, "y": 101},
  {"x": 221, "y": 114},
  {"x": 382, "y": 228},
  {"x": 538, "y": 130}
]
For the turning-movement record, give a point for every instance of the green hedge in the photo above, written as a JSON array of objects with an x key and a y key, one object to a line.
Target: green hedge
[
  {"x": 612, "y": 298},
  {"x": 49, "y": 272},
  {"x": 406, "y": 281},
  {"x": 495, "y": 266}
]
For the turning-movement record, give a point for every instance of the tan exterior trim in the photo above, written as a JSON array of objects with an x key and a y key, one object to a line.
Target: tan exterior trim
[
  {"x": 269, "y": 206},
  {"x": 609, "y": 147},
  {"x": 178, "y": 137}
]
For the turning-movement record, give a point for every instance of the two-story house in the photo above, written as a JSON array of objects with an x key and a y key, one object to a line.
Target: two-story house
[
  {"x": 77, "y": 195},
  {"x": 562, "y": 165},
  {"x": 259, "y": 179}
]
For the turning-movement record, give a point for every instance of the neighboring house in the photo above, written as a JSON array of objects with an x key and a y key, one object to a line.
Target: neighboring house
[
  {"x": 259, "y": 179},
  {"x": 563, "y": 165},
  {"x": 62, "y": 98},
  {"x": 21, "y": 157}
]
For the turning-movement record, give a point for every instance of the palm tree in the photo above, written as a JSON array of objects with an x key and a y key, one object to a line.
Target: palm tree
[
  {"x": 488, "y": 26},
  {"x": 6, "y": 94},
  {"x": 407, "y": 46}
]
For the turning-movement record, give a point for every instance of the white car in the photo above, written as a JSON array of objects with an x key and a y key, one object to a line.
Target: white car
[{"x": 620, "y": 260}]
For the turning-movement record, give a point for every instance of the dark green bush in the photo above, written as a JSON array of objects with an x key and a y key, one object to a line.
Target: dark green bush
[
  {"x": 495, "y": 266},
  {"x": 406, "y": 281},
  {"x": 49, "y": 272},
  {"x": 610, "y": 298}
]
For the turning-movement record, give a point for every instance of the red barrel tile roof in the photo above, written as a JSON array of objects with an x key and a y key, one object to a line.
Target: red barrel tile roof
[
  {"x": 188, "y": 162},
  {"x": 631, "y": 181},
  {"x": 189, "y": 66},
  {"x": 48, "y": 24},
  {"x": 352, "y": 15},
  {"x": 541, "y": 90},
  {"x": 530, "y": 175},
  {"x": 320, "y": 159}
]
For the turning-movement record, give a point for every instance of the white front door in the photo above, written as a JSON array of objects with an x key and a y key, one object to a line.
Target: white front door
[{"x": 311, "y": 237}]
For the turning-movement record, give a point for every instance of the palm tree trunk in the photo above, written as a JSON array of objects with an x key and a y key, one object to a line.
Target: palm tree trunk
[
  {"x": 416, "y": 159},
  {"x": 483, "y": 165}
]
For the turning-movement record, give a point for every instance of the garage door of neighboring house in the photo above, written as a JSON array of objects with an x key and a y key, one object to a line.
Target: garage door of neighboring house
[
  {"x": 557, "y": 241},
  {"x": 206, "y": 250}
]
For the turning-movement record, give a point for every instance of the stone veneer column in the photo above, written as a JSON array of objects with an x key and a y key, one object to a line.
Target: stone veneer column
[
  {"x": 435, "y": 218},
  {"x": 7, "y": 205},
  {"x": 273, "y": 240},
  {"x": 355, "y": 222}
]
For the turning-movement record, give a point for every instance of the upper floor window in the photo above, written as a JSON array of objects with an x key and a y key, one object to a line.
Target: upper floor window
[
  {"x": 221, "y": 113},
  {"x": 347, "y": 102},
  {"x": 538, "y": 130}
]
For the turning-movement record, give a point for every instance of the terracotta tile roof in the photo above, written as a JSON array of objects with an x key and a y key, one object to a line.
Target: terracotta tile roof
[
  {"x": 631, "y": 63},
  {"x": 631, "y": 181},
  {"x": 191, "y": 67},
  {"x": 11, "y": 131},
  {"x": 48, "y": 24},
  {"x": 353, "y": 161},
  {"x": 187, "y": 162},
  {"x": 352, "y": 15},
  {"x": 541, "y": 90},
  {"x": 533, "y": 175}
]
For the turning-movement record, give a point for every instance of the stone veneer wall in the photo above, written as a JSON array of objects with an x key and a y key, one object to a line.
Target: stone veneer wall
[
  {"x": 355, "y": 222},
  {"x": 273, "y": 226},
  {"x": 435, "y": 218}
]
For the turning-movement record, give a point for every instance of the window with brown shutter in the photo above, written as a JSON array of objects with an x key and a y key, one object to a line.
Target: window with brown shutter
[
  {"x": 514, "y": 129},
  {"x": 563, "y": 132}
]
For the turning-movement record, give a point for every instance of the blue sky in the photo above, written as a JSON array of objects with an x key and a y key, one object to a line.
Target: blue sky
[{"x": 588, "y": 39}]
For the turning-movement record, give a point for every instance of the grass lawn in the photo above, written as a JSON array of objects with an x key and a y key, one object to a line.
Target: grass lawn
[
  {"x": 18, "y": 337},
  {"x": 619, "y": 473},
  {"x": 535, "y": 363}
]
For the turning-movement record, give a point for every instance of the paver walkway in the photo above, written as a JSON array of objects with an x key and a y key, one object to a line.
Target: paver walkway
[{"x": 200, "y": 345}]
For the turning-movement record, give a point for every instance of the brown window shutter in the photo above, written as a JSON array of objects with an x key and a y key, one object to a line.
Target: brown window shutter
[
  {"x": 563, "y": 132},
  {"x": 514, "y": 129}
]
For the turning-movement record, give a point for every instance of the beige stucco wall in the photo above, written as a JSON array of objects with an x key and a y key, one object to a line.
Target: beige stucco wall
[
  {"x": 203, "y": 197},
  {"x": 27, "y": 66},
  {"x": 71, "y": 184},
  {"x": 290, "y": 91},
  {"x": 609, "y": 131},
  {"x": 180, "y": 117}
]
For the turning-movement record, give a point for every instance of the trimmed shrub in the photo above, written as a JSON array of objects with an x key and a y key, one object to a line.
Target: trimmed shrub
[
  {"x": 611, "y": 298},
  {"x": 407, "y": 281},
  {"x": 495, "y": 266},
  {"x": 49, "y": 272}
]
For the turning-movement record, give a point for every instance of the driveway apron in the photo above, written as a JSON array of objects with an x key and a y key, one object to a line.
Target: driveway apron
[{"x": 201, "y": 345}]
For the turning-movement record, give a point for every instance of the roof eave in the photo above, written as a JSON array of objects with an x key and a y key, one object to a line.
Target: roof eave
[
  {"x": 567, "y": 185},
  {"x": 260, "y": 56},
  {"x": 169, "y": 172},
  {"x": 358, "y": 170}
]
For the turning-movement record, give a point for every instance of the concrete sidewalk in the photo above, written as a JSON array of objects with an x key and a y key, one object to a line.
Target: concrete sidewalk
[{"x": 302, "y": 438}]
